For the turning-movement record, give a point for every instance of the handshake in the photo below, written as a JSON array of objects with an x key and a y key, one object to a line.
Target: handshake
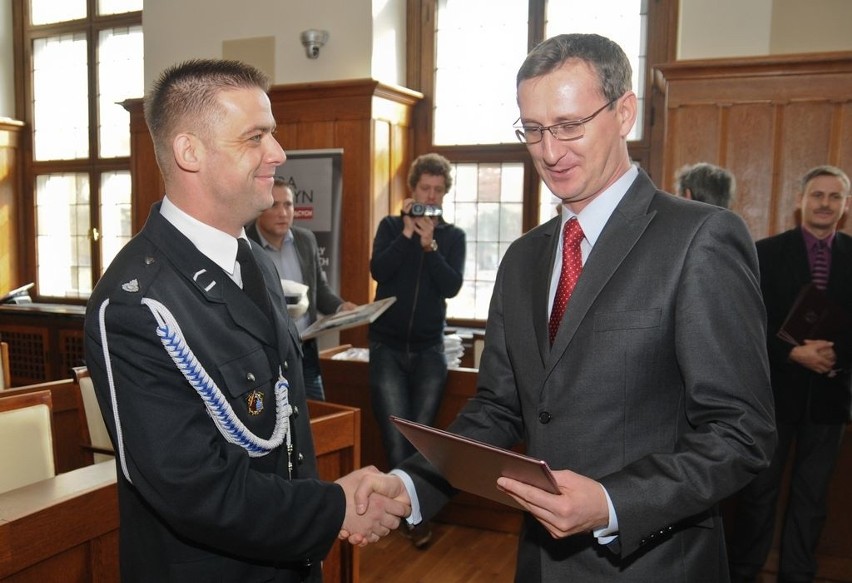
[{"x": 375, "y": 505}]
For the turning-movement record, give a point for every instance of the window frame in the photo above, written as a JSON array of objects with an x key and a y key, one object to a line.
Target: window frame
[
  {"x": 420, "y": 67},
  {"x": 23, "y": 36}
]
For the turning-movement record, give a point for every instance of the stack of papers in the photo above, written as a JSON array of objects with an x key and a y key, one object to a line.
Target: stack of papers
[{"x": 453, "y": 349}]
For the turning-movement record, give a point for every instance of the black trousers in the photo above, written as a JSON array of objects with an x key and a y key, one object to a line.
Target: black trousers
[{"x": 815, "y": 448}]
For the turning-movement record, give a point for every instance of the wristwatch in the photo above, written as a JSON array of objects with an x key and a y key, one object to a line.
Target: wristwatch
[{"x": 433, "y": 246}]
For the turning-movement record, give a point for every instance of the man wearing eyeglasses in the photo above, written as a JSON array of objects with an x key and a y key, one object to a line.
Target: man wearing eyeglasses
[{"x": 650, "y": 395}]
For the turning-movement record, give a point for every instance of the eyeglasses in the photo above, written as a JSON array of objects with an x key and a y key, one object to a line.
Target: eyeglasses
[{"x": 565, "y": 132}]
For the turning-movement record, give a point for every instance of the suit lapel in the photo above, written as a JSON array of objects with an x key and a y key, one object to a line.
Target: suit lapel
[
  {"x": 623, "y": 229},
  {"x": 545, "y": 246},
  {"x": 209, "y": 279}
]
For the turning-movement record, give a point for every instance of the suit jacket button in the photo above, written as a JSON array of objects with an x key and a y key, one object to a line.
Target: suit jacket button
[
  {"x": 300, "y": 458},
  {"x": 544, "y": 417},
  {"x": 286, "y": 365},
  {"x": 295, "y": 411}
]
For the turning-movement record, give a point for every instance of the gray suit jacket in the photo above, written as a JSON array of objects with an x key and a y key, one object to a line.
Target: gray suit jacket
[
  {"x": 657, "y": 386},
  {"x": 322, "y": 297}
]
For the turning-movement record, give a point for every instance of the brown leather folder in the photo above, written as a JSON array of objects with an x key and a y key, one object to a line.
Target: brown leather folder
[
  {"x": 474, "y": 466},
  {"x": 814, "y": 316}
]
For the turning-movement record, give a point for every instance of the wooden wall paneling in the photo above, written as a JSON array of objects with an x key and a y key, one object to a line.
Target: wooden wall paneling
[
  {"x": 10, "y": 134},
  {"x": 146, "y": 184},
  {"x": 809, "y": 98},
  {"x": 699, "y": 131},
  {"x": 844, "y": 130},
  {"x": 744, "y": 151},
  {"x": 371, "y": 122}
]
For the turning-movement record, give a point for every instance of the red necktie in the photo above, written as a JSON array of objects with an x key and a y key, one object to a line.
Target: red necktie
[{"x": 572, "y": 266}]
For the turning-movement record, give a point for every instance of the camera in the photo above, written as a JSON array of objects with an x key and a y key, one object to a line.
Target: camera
[
  {"x": 313, "y": 41},
  {"x": 419, "y": 209}
]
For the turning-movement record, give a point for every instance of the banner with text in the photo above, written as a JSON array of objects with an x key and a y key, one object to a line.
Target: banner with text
[{"x": 316, "y": 180}]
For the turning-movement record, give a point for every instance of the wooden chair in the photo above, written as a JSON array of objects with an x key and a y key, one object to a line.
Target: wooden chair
[
  {"x": 5, "y": 373},
  {"x": 26, "y": 440},
  {"x": 96, "y": 437}
]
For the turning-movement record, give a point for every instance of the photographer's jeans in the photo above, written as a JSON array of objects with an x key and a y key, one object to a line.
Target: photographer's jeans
[{"x": 406, "y": 384}]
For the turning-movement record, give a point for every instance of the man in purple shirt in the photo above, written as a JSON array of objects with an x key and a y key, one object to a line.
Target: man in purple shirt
[{"x": 810, "y": 381}]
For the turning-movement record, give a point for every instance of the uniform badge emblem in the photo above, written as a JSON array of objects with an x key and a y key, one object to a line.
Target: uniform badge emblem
[
  {"x": 131, "y": 286},
  {"x": 255, "y": 403}
]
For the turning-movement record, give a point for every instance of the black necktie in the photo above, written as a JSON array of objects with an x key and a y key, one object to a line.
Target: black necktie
[
  {"x": 819, "y": 270},
  {"x": 253, "y": 283}
]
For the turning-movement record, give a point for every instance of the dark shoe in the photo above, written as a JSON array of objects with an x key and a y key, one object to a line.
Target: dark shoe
[{"x": 419, "y": 535}]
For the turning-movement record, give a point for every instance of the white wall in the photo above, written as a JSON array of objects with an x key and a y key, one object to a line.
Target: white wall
[
  {"x": 739, "y": 28},
  {"x": 805, "y": 26},
  {"x": 724, "y": 28},
  {"x": 175, "y": 31},
  {"x": 388, "y": 59}
]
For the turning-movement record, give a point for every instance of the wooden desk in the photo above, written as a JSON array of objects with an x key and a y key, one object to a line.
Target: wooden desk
[
  {"x": 346, "y": 382},
  {"x": 66, "y": 528},
  {"x": 62, "y": 529}
]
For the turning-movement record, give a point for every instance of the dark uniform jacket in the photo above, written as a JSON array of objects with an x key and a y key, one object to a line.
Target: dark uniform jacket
[
  {"x": 784, "y": 271},
  {"x": 200, "y": 508}
]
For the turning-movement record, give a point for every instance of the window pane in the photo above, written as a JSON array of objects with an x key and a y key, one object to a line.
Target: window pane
[
  {"x": 115, "y": 215},
  {"x": 118, "y": 6},
  {"x": 48, "y": 11},
  {"x": 479, "y": 50},
  {"x": 63, "y": 253},
  {"x": 549, "y": 205},
  {"x": 623, "y": 21},
  {"x": 486, "y": 203},
  {"x": 60, "y": 109},
  {"x": 120, "y": 77}
]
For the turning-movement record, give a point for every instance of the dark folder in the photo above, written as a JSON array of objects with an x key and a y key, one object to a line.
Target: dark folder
[
  {"x": 814, "y": 316},
  {"x": 474, "y": 466}
]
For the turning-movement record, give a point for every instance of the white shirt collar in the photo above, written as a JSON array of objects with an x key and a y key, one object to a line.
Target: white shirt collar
[
  {"x": 594, "y": 216},
  {"x": 218, "y": 246}
]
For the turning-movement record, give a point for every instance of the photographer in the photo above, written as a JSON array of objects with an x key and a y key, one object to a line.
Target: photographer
[{"x": 419, "y": 258}]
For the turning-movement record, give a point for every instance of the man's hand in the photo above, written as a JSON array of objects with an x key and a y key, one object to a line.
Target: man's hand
[
  {"x": 375, "y": 503},
  {"x": 815, "y": 355},
  {"x": 407, "y": 220},
  {"x": 425, "y": 227},
  {"x": 347, "y": 307},
  {"x": 581, "y": 507}
]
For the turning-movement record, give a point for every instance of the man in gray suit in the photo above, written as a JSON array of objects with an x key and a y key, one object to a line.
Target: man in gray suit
[
  {"x": 295, "y": 253},
  {"x": 652, "y": 401}
]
